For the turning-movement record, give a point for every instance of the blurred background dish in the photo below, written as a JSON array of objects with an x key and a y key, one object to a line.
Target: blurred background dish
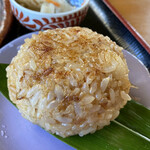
[
  {"x": 48, "y": 6},
  {"x": 36, "y": 21},
  {"x": 6, "y": 18}
]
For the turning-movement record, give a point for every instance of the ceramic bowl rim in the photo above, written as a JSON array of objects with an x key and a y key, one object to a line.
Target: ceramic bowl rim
[{"x": 50, "y": 14}]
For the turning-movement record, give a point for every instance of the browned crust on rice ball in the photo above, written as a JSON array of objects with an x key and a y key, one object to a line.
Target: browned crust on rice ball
[{"x": 69, "y": 81}]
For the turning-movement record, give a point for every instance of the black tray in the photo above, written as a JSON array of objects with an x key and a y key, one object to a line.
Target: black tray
[{"x": 101, "y": 19}]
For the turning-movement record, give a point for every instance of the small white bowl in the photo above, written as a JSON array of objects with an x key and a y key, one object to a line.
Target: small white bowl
[{"x": 36, "y": 21}]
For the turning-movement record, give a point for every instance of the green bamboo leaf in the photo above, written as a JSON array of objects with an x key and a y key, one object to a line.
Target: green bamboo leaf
[
  {"x": 112, "y": 137},
  {"x": 130, "y": 131},
  {"x": 3, "y": 80},
  {"x": 136, "y": 117}
]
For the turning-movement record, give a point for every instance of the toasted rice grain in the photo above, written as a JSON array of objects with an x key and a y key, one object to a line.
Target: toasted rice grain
[{"x": 69, "y": 81}]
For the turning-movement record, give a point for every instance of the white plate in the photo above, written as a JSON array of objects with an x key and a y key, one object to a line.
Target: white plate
[{"x": 16, "y": 133}]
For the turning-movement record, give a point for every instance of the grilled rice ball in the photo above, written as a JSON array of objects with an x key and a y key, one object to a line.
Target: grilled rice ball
[{"x": 69, "y": 81}]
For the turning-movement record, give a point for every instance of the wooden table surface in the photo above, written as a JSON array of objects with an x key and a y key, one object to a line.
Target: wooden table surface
[{"x": 137, "y": 13}]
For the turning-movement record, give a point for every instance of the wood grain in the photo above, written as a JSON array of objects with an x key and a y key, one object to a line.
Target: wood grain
[{"x": 137, "y": 13}]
